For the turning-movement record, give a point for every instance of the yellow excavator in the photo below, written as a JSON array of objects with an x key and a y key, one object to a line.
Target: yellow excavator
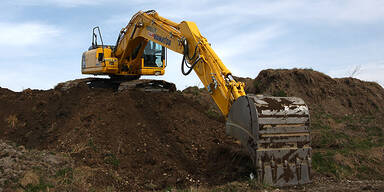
[{"x": 274, "y": 130}]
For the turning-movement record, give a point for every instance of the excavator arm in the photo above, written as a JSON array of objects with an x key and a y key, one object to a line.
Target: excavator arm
[
  {"x": 183, "y": 38},
  {"x": 274, "y": 130}
]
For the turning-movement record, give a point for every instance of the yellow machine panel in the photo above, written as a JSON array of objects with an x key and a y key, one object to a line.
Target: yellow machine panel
[{"x": 99, "y": 61}]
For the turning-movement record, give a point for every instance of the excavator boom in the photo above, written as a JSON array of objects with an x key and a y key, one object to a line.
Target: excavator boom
[
  {"x": 274, "y": 130},
  {"x": 184, "y": 38}
]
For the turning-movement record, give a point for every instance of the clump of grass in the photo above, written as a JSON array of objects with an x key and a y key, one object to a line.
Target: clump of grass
[
  {"x": 91, "y": 144},
  {"x": 112, "y": 160},
  {"x": 64, "y": 172},
  {"x": 42, "y": 186},
  {"x": 12, "y": 121},
  {"x": 279, "y": 93},
  {"x": 65, "y": 175},
  {"x": 213, "y": 114},
  {"x": 324, "y": 163},
  {"x": 365, "y": 172},
  {"x": 375, "y": 131},
  {"x": 257, "y": 86}
]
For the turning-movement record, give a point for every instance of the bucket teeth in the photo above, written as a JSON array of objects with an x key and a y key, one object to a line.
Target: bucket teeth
[{"x": 275, "y": 130}]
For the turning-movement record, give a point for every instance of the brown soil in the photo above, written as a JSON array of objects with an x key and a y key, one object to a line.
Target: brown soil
[
  {"x": 149, "y": 140},
  {"x": 337, "y": 96},
  {"x": 139, "y": 141}
]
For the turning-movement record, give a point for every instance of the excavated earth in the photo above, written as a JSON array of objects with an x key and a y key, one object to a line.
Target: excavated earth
[
  {"x": 147, "y": 141},
  {"x": 129, "y": 140}
]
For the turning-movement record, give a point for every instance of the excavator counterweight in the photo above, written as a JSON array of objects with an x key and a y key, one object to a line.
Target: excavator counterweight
[{"x": 274, "y": 130}]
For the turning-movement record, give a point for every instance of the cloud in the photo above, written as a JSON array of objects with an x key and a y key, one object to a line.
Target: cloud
[
  {"x": 298, "y": 10},
  {"x": 247, "y": 35},
  {"x": 59, "y": 3},
  {"x": 248, "y": 41},
  {"x": 40, "y": 71},
  {"x": 262, "y": 34},
  {"x": 294, "y": 10},
  {"x": 25, "y": 34}
]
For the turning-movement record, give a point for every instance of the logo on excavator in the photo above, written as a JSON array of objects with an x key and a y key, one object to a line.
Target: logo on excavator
[
  {"x": 151, "y": 29},
  {"x": 152, "y": 33}
]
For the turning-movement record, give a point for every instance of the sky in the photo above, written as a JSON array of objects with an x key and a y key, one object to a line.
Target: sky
[{"x": 42, "y": 41}]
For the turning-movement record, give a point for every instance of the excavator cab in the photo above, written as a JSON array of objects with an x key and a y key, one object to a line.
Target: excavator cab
[
  {"x": 147, "y": 58},
  {"x": 153, "y": 59}
]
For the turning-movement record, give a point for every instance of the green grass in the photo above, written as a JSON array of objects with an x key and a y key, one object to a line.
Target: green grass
[
  {"x": 213, "y": 114},
  {"x": 374, "y": 131},
  {"x": 319, "y": 125},
  {"x": 323, "y": 162},
  {"x": 257, "y": 86},
  {"x": 65, "y": 175},
  {"x": 365, "y": 172},
  {"x": 64, "y": 172},
  {"x": 355, "y": 137},
  {"x": 112, "y": 160},
  {"x": 92, "y": 145},
  {"x": 279, "y": 93},
  {"x": 42, "y": 186}
]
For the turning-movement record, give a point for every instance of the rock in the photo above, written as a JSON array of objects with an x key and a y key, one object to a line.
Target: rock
[
  {"x": 2, "y": 181},
  {"x": 367, "y": 187},
  {"x": 7, "y": 162},
  {"x": 7, "y": 170},
  {"x": 21, "y": 148},
  {"x": 52, "y": 159},
  {"x": 151, "y": 186},
  {"x": 29, "y": 178}
]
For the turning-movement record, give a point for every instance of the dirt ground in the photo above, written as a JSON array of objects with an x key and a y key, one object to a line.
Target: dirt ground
[
  {"x": 140, "y": 141},
  {"x": 134, "y": 140}
]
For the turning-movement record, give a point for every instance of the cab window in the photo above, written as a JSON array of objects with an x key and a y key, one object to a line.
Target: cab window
[{"x": 153, "y": 55}]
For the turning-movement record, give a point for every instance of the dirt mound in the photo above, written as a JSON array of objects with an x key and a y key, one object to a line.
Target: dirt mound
[
  {"x": 133, "y": 140},
  {"x": 337, "y": 96},
  {"x": 145, "y": 141},
  {"x": 346, "y": 119}
]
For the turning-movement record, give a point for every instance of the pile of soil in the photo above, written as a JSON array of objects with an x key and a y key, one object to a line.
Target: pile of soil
[
  {"x": 143, "y": 141},
  {"x": 347, "y": 126},
  {"x": 131, "y": 140},
  {"x": 334, "y": 95}
]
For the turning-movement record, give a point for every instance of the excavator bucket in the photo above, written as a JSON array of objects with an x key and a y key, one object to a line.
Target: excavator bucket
[{"x": 275, "y": 131}]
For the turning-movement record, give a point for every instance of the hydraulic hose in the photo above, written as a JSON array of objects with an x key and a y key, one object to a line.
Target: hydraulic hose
[{"x": 185, "y": 62}]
